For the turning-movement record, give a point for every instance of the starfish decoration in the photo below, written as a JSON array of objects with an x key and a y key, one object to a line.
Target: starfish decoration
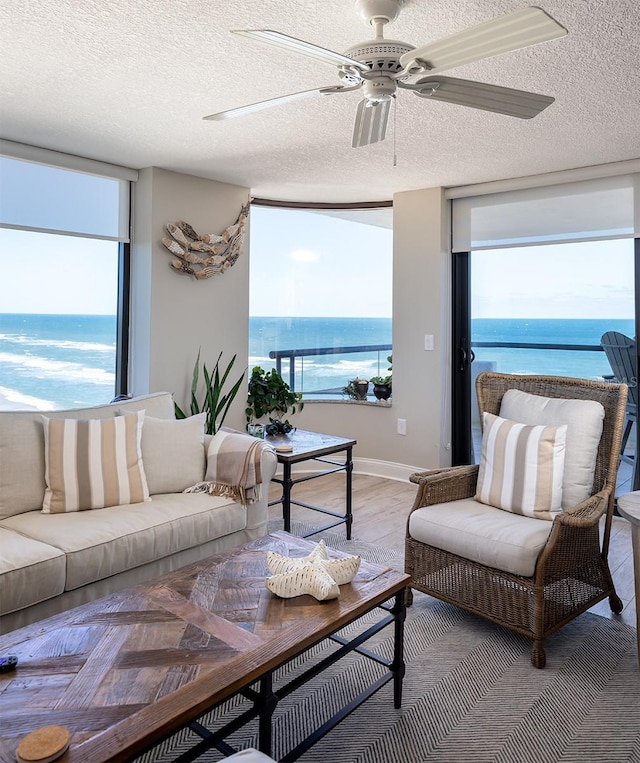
[{"x": 314, "y": 574}]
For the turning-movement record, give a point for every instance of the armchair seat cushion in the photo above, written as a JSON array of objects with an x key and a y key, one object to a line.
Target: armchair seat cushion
[{"x": 483, "y": 534}]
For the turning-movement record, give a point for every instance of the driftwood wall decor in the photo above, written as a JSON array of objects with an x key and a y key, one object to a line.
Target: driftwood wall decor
[{"x": 206, "y": 255}]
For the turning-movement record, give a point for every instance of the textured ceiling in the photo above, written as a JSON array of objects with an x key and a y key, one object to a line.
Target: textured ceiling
[{"x": 128, "y": 82}]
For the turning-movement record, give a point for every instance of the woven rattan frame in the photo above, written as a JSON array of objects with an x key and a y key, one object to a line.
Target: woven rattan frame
[{"x": 572, "y": 573}]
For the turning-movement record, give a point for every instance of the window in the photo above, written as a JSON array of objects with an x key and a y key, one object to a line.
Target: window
[
  {"x": 321, "y": 294},
  {"x": 63, "y": 247}
]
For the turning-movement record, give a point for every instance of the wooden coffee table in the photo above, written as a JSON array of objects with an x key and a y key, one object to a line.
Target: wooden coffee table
[{"x": 126, "y": 671}]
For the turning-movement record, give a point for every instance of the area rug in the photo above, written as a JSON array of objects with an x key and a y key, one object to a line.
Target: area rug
[{"x": 470, "y": 694}]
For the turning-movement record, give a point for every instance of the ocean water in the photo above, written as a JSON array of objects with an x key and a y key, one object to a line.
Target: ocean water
[
  {"x": 321, "y": 372},
  {"x": 583, "y": 364},
  {"x": 57, "y": 361},
  {"x": 65, "y": 361}
]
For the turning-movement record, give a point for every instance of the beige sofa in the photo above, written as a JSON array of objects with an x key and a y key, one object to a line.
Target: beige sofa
[{"x": 50, "y": 562}]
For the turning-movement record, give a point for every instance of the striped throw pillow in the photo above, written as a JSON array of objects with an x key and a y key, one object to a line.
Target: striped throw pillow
[
  {"x": 93, "y": 463},
  {"x": 521, "y": 467}
]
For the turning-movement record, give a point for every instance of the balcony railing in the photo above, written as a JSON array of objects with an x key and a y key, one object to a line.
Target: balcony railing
[{"x": 291, "y": 355}]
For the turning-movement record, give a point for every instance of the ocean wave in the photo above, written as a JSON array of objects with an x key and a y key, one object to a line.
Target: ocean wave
[
  {"x": 64, "y": 344},
  {"x": 11, "y": 399},
  {"x": 59, "y": 369}
]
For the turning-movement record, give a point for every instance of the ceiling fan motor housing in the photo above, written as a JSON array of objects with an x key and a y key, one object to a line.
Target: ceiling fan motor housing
[{"x": 381, "y": 56}]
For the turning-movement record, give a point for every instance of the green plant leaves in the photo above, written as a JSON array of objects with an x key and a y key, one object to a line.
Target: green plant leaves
[
  {"x": 216, "y": 402},
  {"x": 269, "y": 394}
]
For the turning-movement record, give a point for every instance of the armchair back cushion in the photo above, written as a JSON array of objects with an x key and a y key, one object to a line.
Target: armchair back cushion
[{"x": 584, "y": 420}]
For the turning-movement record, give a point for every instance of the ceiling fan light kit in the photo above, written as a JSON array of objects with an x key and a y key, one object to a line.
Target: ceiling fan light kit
[{"x": 380, "y": 67}]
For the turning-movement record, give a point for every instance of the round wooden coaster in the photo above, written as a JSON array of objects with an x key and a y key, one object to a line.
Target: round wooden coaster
[
  {"x": 284, "y": 448},
  {"x": 45, "y": 744}
]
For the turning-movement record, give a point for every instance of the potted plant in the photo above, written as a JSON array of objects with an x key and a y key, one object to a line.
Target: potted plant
[
  {"x": 357, "y": 389},
  {"x": 269, "y": 395},
  {"x": 382, "y": 384},
  {"x": 215, "y": 402}
]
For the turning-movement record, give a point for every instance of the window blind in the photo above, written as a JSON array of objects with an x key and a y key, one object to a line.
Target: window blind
[
  {"x": 600, "y": 208},
  {"x": 77, "y": 200}
]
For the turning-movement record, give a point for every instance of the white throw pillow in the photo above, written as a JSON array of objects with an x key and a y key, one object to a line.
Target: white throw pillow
[
  {"x": 584, "y": 419},
  {"x": 521, "y": 467},
  {"x": 173, "y": 453},
  {"x": 93, "y": 463}
]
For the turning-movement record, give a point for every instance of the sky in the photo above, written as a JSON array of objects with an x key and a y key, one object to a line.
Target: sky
[
  {"x": 305, "y": 264},
  {"x": 43, "y": 273},
  {"x": 579, "y": 280}
]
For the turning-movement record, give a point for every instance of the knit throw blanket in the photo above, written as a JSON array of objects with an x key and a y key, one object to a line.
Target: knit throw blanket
[{"x": 233, "y": 467}]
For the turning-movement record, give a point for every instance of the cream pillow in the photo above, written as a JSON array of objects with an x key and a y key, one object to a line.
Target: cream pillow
[
  {"x": 521, "y": 467},
  {"x": 584, "y": 419},
  {"x": 173, "y": 453},
  {"x": 93, "y": 463}
]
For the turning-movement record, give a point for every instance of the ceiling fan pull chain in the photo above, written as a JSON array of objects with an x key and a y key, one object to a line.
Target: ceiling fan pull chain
[{"x": 395, "y": 123}]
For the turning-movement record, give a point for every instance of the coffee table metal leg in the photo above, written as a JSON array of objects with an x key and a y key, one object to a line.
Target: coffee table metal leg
[
  {"x": 398, "y": 666},
  {"x": 267, "y": 705}
]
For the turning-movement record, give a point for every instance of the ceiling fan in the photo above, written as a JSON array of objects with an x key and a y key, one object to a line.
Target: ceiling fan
[{"x": 380, "y": 67}]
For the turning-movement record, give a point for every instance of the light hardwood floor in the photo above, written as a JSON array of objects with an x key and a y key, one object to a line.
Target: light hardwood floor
[{"x": 381, "y": 507}]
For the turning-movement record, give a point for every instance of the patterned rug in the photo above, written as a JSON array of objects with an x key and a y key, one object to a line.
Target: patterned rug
[{"x": 470, "y": 694}]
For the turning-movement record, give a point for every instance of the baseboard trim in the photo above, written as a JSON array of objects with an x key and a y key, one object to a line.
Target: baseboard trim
[{"x": 371, "y": 466}]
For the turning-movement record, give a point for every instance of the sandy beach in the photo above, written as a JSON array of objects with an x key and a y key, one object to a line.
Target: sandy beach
[{"x": 11, "y": 400}]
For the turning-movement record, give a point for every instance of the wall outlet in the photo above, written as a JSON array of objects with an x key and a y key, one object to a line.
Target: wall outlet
[
  {"x": 428, "y": 341},
  {"x": 402, "y": 426}
]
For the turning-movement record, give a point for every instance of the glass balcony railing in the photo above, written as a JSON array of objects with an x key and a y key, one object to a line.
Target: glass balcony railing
[{"x": 324, "y": 371}]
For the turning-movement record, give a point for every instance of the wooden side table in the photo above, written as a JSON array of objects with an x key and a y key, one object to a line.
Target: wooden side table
[
  {"x": 629, "y": 508},
  {"x": 313, "y": 446}
]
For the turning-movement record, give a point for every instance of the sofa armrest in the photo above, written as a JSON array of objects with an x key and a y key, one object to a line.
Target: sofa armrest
[{"x": 258, "y": 511}]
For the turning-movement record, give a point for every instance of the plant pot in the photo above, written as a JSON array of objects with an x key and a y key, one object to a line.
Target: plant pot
[
  {"x": 382, "y": 391},
  {"x": 361, "y": 388}
]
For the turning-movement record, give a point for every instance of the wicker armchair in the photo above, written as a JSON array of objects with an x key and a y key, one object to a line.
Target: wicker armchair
[{"x": 569, "y": 574}]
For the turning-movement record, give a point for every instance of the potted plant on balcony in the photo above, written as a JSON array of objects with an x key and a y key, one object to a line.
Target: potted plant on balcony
[
  {"x": 270, "y": 396},
  {"x": 357, "y": 389},
  {"x": 382, "y": 384}
]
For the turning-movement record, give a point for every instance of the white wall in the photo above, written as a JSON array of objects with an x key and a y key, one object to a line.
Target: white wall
[{"x": 173, "y": 314}]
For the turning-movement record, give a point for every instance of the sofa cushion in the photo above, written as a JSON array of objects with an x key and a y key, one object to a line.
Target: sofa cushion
[
  {"x": 93, "y": 463},
  {"x": 482, "y": 533},
  {"x": 22, "y": 483},
  {"x": 30, "y": 571},
  {"x": 584, "y": 419},
  {"x": 104, "y": 542},
  {"x": 521, "y": 467},
  {"x": 173, "y": 452}
]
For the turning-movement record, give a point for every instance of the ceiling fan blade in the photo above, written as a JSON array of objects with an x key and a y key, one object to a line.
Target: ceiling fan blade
[
  {"x": 300, "y": 46},
  {"x": 251, "y": 107},
  {"x": 511, "y": 32},
  {"x": 478, "y": 95},
  {"x": 371, "y": 123}
]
